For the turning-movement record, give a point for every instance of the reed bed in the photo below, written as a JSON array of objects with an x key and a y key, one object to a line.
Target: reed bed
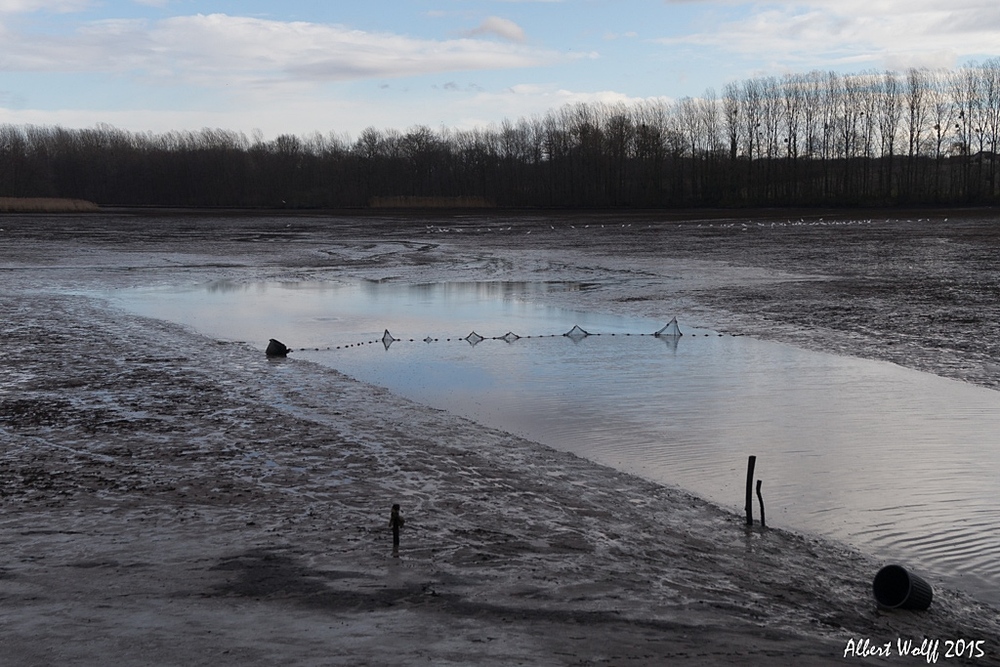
[
  {"x": 429, "y": 202},
  {"x": 45, "y": 205}
]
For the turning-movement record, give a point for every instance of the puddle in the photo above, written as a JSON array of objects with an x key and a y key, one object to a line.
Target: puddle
[{"x": 900, "y": 463}]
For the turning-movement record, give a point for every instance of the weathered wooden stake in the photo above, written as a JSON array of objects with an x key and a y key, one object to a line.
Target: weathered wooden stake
[
  {"x": 749, "y": 505},
  {"x": 395, "y": 522},
  {"x": 761, "y": 499}
]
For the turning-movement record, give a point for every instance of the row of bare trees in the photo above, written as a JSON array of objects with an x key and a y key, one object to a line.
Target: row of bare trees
[
  {"x": 926, "y": 135},
  {"x": 872, "y": 138}
]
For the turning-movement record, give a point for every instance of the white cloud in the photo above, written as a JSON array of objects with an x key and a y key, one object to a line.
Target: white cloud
[
  {"x": 526, "y": 100},
  {"x": 500, "y": 27},
  {"x": 133, "y": 120},
  {"x": 273, "y": 115},
  {"x": 219, "y": 49},
  {"x": 25, "y": 6},
  {"x": 857, "y": 31},
  {"x": 325, "y": 113}
]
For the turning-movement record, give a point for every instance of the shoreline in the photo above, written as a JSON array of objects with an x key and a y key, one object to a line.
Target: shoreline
[
  {"x": 46, "y": 205},
  {"x": 450, "y": 212},
  {"x": 196, "y": 490}
]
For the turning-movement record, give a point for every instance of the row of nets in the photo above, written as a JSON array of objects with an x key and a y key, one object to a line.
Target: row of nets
[{"x": 670, "y": 330}]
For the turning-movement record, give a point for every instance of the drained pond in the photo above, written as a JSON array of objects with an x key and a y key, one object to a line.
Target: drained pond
[{"x": 897, "y": 462}]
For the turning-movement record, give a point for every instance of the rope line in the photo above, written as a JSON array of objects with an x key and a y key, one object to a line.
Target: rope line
[{"x": 669, "y": 331}]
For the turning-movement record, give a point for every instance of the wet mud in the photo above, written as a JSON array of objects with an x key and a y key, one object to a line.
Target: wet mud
[{"x": 173, "y": 499}]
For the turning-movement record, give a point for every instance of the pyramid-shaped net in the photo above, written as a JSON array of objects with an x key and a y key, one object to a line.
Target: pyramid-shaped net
[
  {"x": 670, "y": 330},
  {"x": 387, "y": 339},
  {"x": 576, "y": 333}
]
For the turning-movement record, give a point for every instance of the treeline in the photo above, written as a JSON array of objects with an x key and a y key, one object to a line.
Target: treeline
[{"x": 873, "y": 138}]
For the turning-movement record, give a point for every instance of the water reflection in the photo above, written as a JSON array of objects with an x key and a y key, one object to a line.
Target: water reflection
[{"x": 898, "y": 462}]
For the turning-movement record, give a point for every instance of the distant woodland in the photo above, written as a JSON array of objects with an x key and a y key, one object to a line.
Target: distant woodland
[{"x": 921, "y": 137}]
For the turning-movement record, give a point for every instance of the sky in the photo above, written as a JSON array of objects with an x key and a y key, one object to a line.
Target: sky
[{"x": 339, "y": 66}]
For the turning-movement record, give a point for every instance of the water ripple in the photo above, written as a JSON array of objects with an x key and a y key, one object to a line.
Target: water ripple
[{"x": 895, "y": 461}]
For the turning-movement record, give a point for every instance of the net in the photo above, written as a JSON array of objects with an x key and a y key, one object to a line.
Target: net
[
  {"x": 387, "y": 339},
  {"x": 576, "y": 334},
  {"x": 670, "y": 330}
]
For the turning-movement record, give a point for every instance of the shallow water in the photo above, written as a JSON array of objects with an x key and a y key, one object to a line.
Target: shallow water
[{"x": 897, "y": 462}]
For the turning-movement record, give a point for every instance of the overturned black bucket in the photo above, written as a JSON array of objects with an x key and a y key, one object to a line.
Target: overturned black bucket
[
  {"x": 275, "y": 348},
  {"x": 895, "y": 588}
]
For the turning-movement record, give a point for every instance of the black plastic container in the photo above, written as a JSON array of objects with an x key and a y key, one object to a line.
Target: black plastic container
[
  {"x": 895, "y": 588},
  {"x": 275, "y": 348}
]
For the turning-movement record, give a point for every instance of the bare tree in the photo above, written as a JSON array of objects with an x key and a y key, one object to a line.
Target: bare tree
[
  {"x": 965, "y": 91},
  {"x": 731, "y": 118},
  {"x": 889, "y": 118},
  {"x": 943, "y": 113},
  {"x": 868, "y": 94},
  {"x": 917, "y": 112},
  {"x": 990, "y": 134}
]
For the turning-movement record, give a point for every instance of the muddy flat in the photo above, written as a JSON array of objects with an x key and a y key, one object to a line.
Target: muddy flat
[{"x": 171, "y": 499}]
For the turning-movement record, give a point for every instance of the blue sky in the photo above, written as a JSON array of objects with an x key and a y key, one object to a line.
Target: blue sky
[{"x": 305, "y": 67}]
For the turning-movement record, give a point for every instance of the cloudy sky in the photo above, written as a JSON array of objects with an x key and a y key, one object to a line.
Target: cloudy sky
[{"x": 342, "y": 65}]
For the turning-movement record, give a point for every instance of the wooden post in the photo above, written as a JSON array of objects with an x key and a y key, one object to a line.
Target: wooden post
[
  {"x": 761, "y": 499},
  {"x": 749, "y": 505},
  {"x": 395, "y": 522}
]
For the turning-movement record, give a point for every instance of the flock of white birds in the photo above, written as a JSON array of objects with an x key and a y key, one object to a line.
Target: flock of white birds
[{"x": 740, "y": 225}]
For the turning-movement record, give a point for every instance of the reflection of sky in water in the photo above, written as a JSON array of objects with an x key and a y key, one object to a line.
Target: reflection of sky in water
[
  {"x": 898, "y": 461},
  {"x": 321, "y": 315}
]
